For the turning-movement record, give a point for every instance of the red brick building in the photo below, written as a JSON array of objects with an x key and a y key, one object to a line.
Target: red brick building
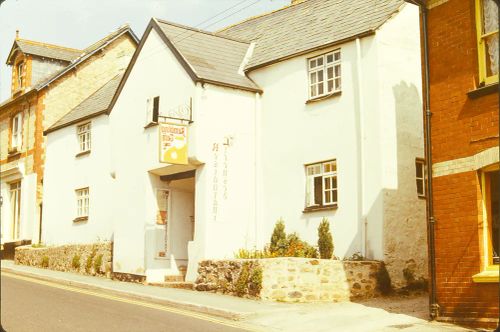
[{"x": 463, "y": 80}]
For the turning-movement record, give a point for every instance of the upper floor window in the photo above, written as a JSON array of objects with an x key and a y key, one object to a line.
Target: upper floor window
[
  {"x": 324, "y": 74},
  {"x": 20, "y": 67},
  {"x": 16, "y": 132},
  {"x": 153, "y": 110},
  {"x": 487, "y": 39},
  {"x": 420, "y": 177},
  {"x": 321, "y": 186},
  {"x": 84, "y": 138}
]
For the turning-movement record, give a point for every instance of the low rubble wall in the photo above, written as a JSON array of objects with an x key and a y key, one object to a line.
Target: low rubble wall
[
  {"x": 290, "y": 279},
  {"x": 89, "y": 259}
]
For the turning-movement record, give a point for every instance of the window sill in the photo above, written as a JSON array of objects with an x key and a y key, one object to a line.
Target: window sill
[
  {"x": 13, "y": 153},
  {"x": 422, "y": 197},
  {"x": 80, "y": 219},
  {"x": 483, "y": 91},
  {"x": 316, "y": 99},
  {"x": 83, "y": 153},
  {"x": 487, "y": 276},
  {"x": 320, "y": 208},
  {"x": 151, "y": 124}
]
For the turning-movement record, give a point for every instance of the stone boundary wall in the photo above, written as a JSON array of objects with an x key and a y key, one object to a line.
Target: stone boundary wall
[
  {"x": 290, "y": 279},
  {"x": 88, "y": 259}
]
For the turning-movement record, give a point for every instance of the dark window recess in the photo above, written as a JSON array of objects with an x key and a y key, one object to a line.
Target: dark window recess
[
  {"x": 156, "y": 108},
  {"x": 318, "y": 190}
]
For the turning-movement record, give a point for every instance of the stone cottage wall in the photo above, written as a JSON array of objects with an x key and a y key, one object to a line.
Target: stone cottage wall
[
  {"x": 291, "y": 279},
  {"x": 89, "y": 259}
]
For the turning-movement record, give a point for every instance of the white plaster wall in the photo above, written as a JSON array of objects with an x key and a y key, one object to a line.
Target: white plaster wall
[
  {"x": 402, "y": 140},
  {"x": 64, "y": 173},
  {"x": 293, "y": 133},
  {"x": 135, "y": 151},
  {"x": 225, "y": 185}
]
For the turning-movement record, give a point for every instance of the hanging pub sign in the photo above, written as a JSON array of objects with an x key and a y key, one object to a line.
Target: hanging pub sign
[{"x": 173, "y": 144}]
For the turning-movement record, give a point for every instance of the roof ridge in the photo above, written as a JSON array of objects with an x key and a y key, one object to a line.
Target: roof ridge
[
  {"x": 48, "y": 45},
  {"x": 200, "y": 31},
  {"x": 112, "y": 33}
]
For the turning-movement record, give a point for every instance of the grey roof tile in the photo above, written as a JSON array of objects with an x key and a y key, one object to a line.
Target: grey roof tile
[
  {"x": 47, "y": 50},
  {"x": 212, "y": 57},
  {"x": 308, "y": 25},
  {"x": 95, "y": 104}
]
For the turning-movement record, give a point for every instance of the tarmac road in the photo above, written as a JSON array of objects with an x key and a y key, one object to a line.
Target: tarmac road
[{"x": 32, "y": 305}]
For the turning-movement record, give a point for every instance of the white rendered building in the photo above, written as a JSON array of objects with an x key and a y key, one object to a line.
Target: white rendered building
[{"x": 308, "y": 112}]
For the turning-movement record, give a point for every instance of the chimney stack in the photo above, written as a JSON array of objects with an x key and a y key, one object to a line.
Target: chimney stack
[
  {"x": 294, "y": 2},
  {"x": 17, "y": 34}
]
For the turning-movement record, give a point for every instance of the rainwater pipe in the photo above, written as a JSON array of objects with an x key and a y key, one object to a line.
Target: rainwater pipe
[
  {"x": 433, "y": 305},
  {"x": 361, "y": 167}
]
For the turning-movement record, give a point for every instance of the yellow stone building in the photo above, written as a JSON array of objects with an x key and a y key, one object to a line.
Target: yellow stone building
[{"x": 47, "y": 82}]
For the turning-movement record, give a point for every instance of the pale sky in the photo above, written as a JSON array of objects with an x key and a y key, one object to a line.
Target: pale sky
[{"x": 79, "y": 23}]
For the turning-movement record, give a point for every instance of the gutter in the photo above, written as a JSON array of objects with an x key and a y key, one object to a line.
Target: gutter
[{"x": 431, "y": 221}]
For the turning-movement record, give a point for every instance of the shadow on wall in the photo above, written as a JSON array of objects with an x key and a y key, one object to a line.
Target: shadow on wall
[{"x": 397, "y": 228}]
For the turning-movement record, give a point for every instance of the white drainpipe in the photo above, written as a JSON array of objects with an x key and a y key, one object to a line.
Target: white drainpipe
[{"x": 361, "y": 147}]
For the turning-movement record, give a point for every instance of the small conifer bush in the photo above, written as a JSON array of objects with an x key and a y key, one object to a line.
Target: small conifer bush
[{"x": 325, "y": 240}]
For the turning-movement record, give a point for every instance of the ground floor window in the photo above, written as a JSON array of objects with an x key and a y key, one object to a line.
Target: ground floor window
[
  {"x": 321, "y": 185},
  {"x": 491, "y": 200},
  {"x": 82, "y": 200},
  {"x": 15, "y": 204}
]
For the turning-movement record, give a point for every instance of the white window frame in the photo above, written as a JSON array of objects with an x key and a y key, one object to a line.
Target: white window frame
[
  {"x": 329, "y": 67},
  {"x": 82, "y": 202},
  {"x": 327, "y": 170},
  {"x": 17, "y": 131},
  {"x": 420, "y": 163},
  {"x": 83, "y": 132}
]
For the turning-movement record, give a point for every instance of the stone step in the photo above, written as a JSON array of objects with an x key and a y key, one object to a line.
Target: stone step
[
  {"x": 179, "y": 285},
  {"x": 177, "y": 278}
]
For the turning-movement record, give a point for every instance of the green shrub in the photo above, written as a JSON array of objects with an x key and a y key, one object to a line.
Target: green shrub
[
  {"x": 90, "y": 258},
  {"x": 295, "y": 247},
  {"x": 325, "y": 241},
  {"x": 278, "y": 238},
  {"x": 97, "y": 264},
  {"x": 45, "y": 261},
  {"x": 255, "y": 285},
  {"x": 242, "y": 282},
  {"x": 253, "y": 254},
  {"x": 75, "y": 263}
]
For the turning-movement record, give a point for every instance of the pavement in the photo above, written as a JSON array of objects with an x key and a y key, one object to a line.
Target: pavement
[{"x": 259, "y": 315}]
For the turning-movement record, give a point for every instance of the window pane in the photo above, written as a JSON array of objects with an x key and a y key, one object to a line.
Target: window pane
[
  {"x": 494, "y": 193},
  {"x": 318, "y": 190},
  {"x": 419, "y": 171},
  {"x": 330, "y": 86},
  {"x": 320, "y": 61},
  {"x": 327, "y": 183},
  {"x": 335, "y": 200},
  {"x": 491, "y": 43},
  {"x": 320, "y": 76},
  {"x": 329, "y": 73},
  {"x": 312, "y": 63},
  {"x": 313, "y": 78},
  {"x": 490, "y": 16},
  {"x": 420, "y": 186},
  {"x": 320, "y": 89},
  {"x": 337, "y": 71},
  {"x": 337, "y": 55},
  {"x": 334, "y": 182},
  {"x": 329, "y": 58},
  {"x": 337, "y": 84},
  {"x": 328, "y": 197}
]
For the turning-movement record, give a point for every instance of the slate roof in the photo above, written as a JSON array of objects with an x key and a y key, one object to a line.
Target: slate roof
[
  {"x": 44, "y": 50},
  {"x": 309, "y": 25},
  {"x": 95, "y": 104},
  {"x": 211, "y": 57},
  {"x": 83, "y": 56}
]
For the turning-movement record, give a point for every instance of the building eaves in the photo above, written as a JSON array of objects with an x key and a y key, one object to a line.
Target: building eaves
[{"x": 43, "y": 50}]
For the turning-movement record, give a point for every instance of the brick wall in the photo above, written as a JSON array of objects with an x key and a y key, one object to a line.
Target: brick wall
[{"x": 462, "y": 126}]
